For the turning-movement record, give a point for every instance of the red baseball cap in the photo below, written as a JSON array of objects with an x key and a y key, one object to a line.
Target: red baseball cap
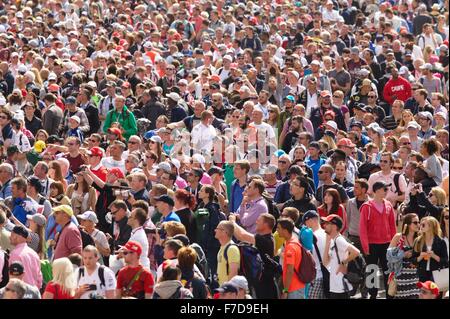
[
  {"x": 430, "y": 286},
  {"x": 132, "y": 246},
  {"x": 116, "y": 131},
  {"x": 96, "y": 151},
  {"x": 116, "y": 171},
  {"x": 333, "y": 219},
  {"x": 345, "y": 142},
  {"x": 53, "y": 87},
  {"x": 233, "y": 66},
  {"x": 215, "y": 77}
]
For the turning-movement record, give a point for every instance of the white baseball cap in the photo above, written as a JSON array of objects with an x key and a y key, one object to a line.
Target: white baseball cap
[{"x": 89, "y": 215}]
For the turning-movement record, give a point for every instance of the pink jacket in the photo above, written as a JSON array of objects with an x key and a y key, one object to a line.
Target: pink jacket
[{"x": 376, "y": 227}]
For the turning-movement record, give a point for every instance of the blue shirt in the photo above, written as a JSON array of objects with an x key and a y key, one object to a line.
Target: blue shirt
[
  {"x": 315, "y": 165},
  {"x": 22, "y": 208},
  {"x": 236, "y": 195},
  {"x": 171, "y": 217}
]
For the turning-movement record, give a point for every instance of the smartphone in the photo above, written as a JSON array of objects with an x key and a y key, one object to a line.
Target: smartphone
[{"x": 92, "y": 287}]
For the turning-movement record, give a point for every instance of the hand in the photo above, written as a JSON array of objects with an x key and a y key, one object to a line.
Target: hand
[
  {"x": 408, "y": 254},
  {"x": 245, "y": 200},
  {"x": 414, "y": 191},
  {"x": 82, "y": 289},
  {"x": 341, "y": 269},
  {"x": 424, "y": 255},
  {"x": 284, "y": 295},
  {"x": 232, "y": 218},
  {"x": 108, "y": 236}
]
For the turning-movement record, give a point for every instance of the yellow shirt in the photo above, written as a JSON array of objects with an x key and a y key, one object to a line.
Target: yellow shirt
[
  {"x": 279, "y": 242},
  {"x": 233, "y": 255}
]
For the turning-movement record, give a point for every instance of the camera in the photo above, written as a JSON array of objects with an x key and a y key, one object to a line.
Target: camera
[{"x": 122, "y": 192}]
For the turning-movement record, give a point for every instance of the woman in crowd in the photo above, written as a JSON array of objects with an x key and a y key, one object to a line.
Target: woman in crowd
[
  {"x": 340, "y": 178},
  {"x": 332, "y": 204},
  {"x": 55, "y": 173},
  {"x": 82, "y": 196},
  {"x": 185, "y": 203},
  {"x": 187, "y": 257},
  {"x": 64, "y": 283},
  {"x": 432, "y": 166},
  {"x": 57, "y": 195},
  {"x": 407, "y": 279},
  {"x": 170, "y": 285},
  {"x": 423, "y": 205},
  {"x": 430, "y": 249}
]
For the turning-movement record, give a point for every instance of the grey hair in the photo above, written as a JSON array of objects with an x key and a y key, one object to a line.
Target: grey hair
[
  {"x": 8, "y": 168},
  {"x": 19, "y": 287}
]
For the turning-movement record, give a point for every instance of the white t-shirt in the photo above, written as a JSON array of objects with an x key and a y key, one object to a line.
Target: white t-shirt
[
  {"x": 336, "y": 280},
  {"x": 321, "y": 242},
  {"x": 388, "y": 179},
  {"x": 140, "y": 236},
  {"x": 202, "y": 137},
  {"x": 94, "y": 278},
  {"x": 109, "y": 162},
  {"x": 270, "y": 133}
]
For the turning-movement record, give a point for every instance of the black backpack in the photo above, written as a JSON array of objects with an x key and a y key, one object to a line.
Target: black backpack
[
  {"x": 356, "y": 271},
  {"x": 86, "y": 239},
  {"x": 101, "y": 274}
]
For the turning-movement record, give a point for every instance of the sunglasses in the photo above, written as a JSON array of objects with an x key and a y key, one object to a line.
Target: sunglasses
[
  {"x": 406, "y": 143},
  {"x": 127, "y": 253},
  {"x": 282, "y": 162},
  {"x": 371, "y": 96},
  {"x": 398, "y": 167},
  {"x": 384, "y": 161},
  {"x": 337, "y": 96}
]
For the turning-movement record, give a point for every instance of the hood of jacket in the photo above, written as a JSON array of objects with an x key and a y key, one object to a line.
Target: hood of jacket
[{"x": 166, "y": 289}]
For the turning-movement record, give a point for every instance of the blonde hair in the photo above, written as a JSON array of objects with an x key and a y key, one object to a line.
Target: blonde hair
[
  {"x": 330, "y": 141},
  {"x": 64, "y": 275},
  {"x": 174, "y": 228},
  {"x": 435, "y": 228},
  {"x": 440, "y": 195}
]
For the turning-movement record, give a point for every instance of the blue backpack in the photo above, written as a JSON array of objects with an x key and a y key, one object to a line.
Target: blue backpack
[{"x": 251, "y": 265}]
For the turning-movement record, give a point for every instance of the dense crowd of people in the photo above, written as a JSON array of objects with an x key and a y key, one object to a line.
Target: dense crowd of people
[{"x": 165, "y": 149}]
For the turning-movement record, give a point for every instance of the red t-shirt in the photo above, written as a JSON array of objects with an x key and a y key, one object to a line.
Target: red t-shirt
[
  {"x": 57, "y": 291},
  {"x": 100, "y": 173},
  {"x": 75, "y": 162},
  {"x": 144, "y": 283}
]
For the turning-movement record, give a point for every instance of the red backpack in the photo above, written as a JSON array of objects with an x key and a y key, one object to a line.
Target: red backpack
[{"x": 307, "y": 269}]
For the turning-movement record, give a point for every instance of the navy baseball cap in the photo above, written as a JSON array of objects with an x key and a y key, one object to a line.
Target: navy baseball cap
[{"x": 310, "y": 214}]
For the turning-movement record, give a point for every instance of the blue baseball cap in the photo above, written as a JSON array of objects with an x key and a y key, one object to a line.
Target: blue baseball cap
[{"x": 290, "y": 98}]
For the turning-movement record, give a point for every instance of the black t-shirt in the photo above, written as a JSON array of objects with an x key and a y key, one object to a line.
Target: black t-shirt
[
  {"x": 359, "y": 203},
  {"x": 265, "y": 244}
]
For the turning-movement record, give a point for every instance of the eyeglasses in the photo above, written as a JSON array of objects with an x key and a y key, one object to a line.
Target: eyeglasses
[{"x": 114, "y": 212}]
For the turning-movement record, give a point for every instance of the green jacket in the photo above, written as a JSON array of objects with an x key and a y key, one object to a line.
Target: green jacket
[{"x": 125, "y": 118}]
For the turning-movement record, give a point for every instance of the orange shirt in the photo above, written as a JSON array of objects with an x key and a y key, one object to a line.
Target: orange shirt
[{"x": 293, "y": 256}]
